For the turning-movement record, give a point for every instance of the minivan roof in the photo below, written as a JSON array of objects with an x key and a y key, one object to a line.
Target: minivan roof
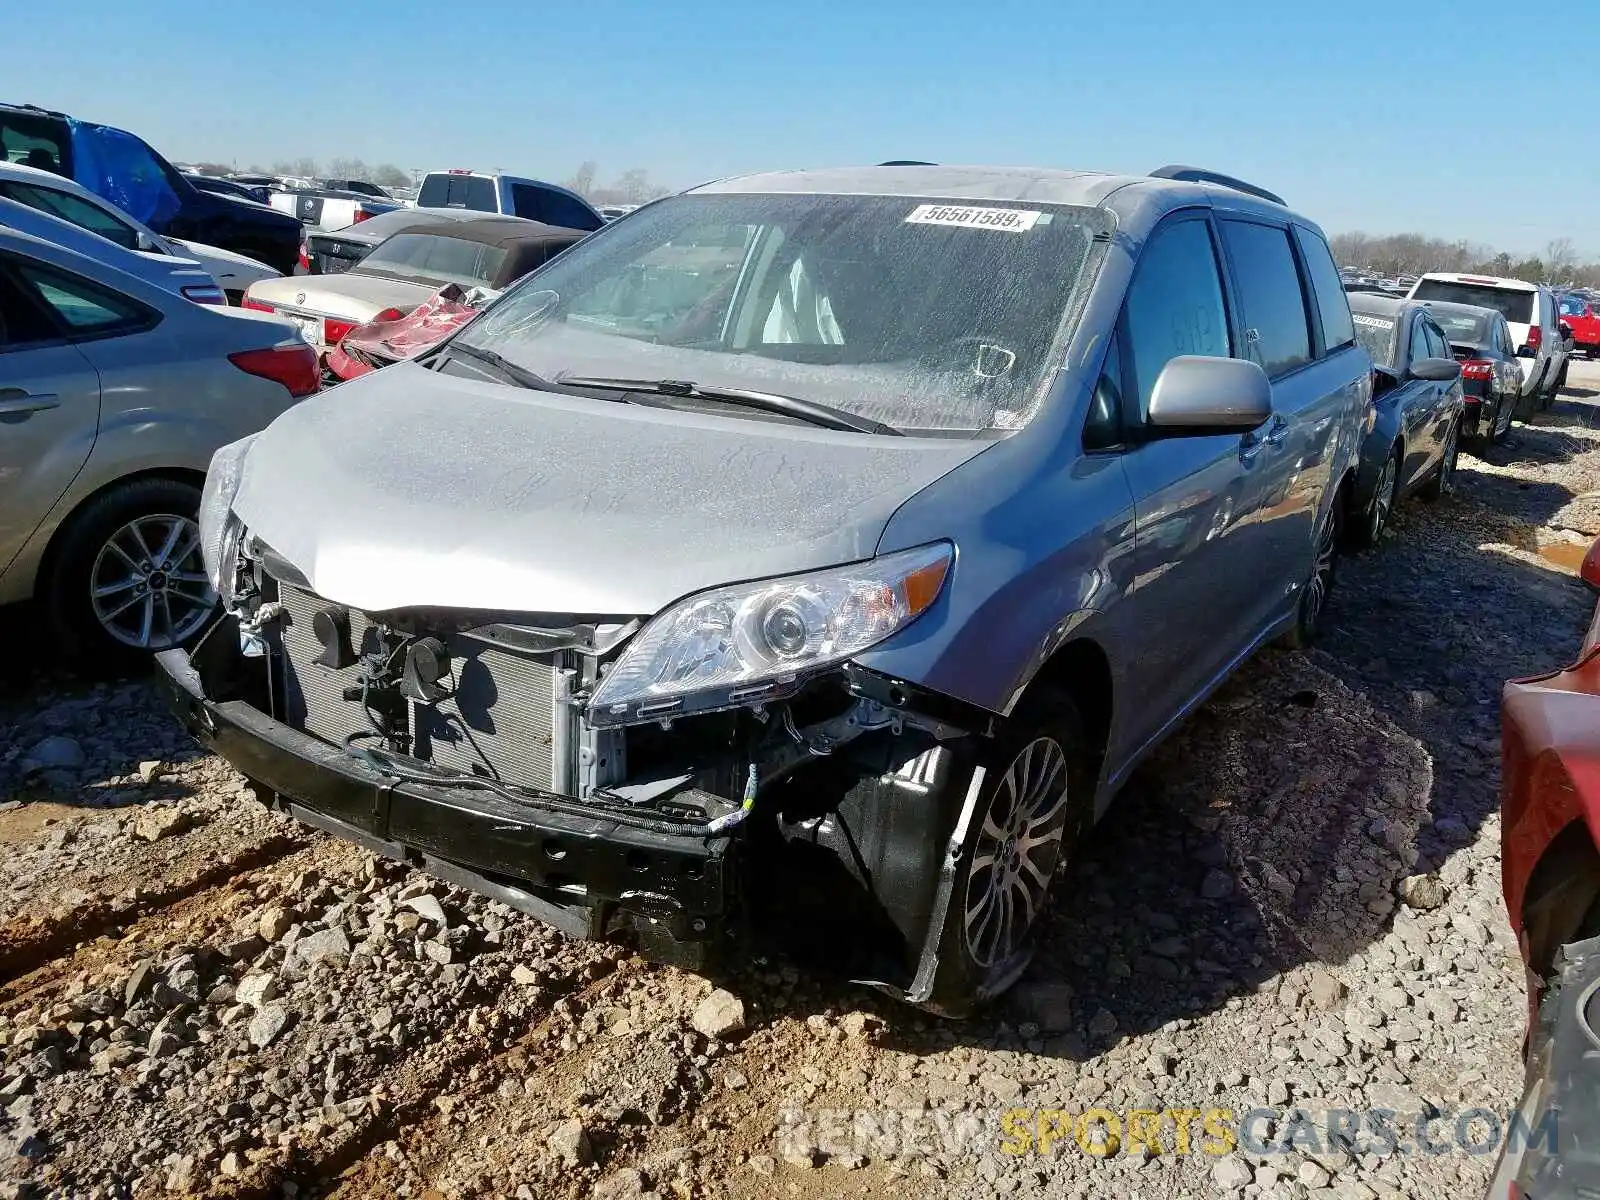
[{"x": 1006, "y": 184}]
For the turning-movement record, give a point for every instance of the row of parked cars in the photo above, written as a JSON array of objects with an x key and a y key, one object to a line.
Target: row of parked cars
[{"x": 835, "y": 541}]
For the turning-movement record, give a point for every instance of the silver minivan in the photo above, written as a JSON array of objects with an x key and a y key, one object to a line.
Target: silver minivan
[{"x": 860, "y": 528}]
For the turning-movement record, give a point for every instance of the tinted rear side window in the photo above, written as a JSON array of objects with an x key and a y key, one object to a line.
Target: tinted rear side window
[
  {"x": 1278, "y": 333},
  {"x": 557, "y": 208},
  {"x": 35, "y": 141},
  {"x": 75, "y": 210},
  {"x": 1512, "y": 305},
  {"x": 1332, "y": 308},
  {"x": 84, "y": 307}
]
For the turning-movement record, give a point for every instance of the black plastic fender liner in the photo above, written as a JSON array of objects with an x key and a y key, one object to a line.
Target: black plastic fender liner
[
  {"x": 921, "y": 988},
  {"x": 894, "y": 836}
]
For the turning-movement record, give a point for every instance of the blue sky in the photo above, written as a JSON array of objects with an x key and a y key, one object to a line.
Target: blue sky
[{"x": 1443, "y": 116}]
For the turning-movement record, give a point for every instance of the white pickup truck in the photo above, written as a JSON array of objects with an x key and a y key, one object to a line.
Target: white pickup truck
[{"x": 327, "y": 208}]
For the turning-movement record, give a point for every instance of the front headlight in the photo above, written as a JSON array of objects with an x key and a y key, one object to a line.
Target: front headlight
[
  {"x": 751, "y": 642},
  {"x": 219, "y": 528}
]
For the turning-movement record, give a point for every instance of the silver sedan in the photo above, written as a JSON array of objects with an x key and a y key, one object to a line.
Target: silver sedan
[{"x": 113, "y": 395}]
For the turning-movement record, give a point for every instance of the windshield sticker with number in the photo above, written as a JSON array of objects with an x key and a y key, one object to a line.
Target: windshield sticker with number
[
  {"x": 1373, "y": 322},
  {"x": 1012, "y": 220}
]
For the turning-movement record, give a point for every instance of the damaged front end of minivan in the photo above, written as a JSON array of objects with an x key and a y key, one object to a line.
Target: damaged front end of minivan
[{"x": 615, "y": 775}]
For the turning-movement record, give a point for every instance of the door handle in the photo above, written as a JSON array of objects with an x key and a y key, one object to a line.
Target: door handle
[
  {"x": 1250, "y": 447},
  {"x": 1278, "y": 433},
  {"x": 14, "y": 402}
]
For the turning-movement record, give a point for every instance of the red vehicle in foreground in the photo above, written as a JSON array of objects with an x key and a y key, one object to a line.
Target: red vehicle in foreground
[
  {"x": 1550, "y": 869},
  {"x": 1583, "y": 318},
  {"x": 389, "y": 340}
]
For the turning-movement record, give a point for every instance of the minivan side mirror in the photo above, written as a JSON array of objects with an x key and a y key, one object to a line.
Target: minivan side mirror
[
  {"x": 1436, "y": 370},
  {"x": 1196, "y": 395}
]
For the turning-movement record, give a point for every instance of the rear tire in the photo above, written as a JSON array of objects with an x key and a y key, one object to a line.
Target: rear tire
[
  {"x": 1036, "y": 797},
  {"x": 1505, "y": 411},
  {"x": 1368, "y": 529},
  {"x": 1319, "y": 586},
  {"x": 96, "y": 564}
]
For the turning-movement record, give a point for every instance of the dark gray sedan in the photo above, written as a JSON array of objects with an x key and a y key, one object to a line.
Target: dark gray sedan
[
  {"x": 1491, "y": 380},
  {"x": 1417, "y": 410}
]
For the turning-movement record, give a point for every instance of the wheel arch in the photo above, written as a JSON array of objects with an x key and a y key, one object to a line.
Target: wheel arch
[
  {"x": 1081, "y": 670},
  {"x": 52, "y": 549},
  {"x": 1562, "y": 888}
]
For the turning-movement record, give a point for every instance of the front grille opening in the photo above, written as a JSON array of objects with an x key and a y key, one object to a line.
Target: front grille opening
[{"x": 502, "y": 722}]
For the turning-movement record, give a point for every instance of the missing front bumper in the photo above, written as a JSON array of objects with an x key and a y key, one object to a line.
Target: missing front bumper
[{"x": 589, "y": 876}]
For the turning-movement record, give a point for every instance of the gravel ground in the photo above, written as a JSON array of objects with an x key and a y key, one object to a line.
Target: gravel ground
[{"x": 1295, "y": 908}]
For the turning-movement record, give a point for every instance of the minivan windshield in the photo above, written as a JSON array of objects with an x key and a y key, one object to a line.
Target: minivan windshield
[
  {"x": 915, "y": 313},
  {"x": 1514, "y": 306}
]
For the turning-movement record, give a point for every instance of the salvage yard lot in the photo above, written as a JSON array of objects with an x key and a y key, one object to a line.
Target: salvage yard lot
[{"x": 203, "y": 998}]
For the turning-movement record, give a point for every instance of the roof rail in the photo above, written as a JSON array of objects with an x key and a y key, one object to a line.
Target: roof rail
[
  {"x": 906, "y": 162},
  {"x": 1201, "y": 175}
]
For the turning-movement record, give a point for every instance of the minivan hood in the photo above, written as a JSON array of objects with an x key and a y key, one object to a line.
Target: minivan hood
[{"x": 409, "y": 488}]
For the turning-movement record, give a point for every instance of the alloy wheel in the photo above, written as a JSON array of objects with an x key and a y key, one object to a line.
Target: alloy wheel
[
  {"x": 1016, "y": 852},
  {"x": 148, "y": 584},
  {"x": 1383, "y": 498},
  {"x": 1502, "y": 418},
  {"x": 1322, "y": 572},
  {"x": 1447, "y": 464}
]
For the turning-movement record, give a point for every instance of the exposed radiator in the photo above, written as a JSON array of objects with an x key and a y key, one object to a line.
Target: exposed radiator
[{"x": 503, "y": 721}]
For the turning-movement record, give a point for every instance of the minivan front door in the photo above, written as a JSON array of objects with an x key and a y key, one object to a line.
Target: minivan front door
[{"x": 1188, "y": 610}]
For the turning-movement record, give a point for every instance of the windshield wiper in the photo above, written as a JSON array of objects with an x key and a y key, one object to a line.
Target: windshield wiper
[
  {"x": 792, "y": 406},
  {"x": 518, "y": 375}
]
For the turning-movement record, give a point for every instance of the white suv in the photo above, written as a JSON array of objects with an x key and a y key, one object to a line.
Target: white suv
[{"x": 1529, "y": 309}]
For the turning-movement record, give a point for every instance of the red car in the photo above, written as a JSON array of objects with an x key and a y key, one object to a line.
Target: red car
[
  {"x": 1583, "y": 318},
  {"x": 1550, "y": 870},
  {"x": 1550, "y": 802}
]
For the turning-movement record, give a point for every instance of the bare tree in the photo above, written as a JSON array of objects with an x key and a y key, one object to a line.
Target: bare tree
[
  {"x": 634, "y": 185},
  {"x": 348, "y": 168},
  {"x": 582, "y": 180},
  {"x": 1560, "y": 257},
  {"x": 1413, "y": 253},
  {"x": 391, "y": 176},
  {"x": 306, "y": 167}
]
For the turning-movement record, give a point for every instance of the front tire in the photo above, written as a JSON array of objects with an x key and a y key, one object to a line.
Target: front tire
[
  {"x": 1037, "y": 791},
  {"x": 126, "y": 578}
]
